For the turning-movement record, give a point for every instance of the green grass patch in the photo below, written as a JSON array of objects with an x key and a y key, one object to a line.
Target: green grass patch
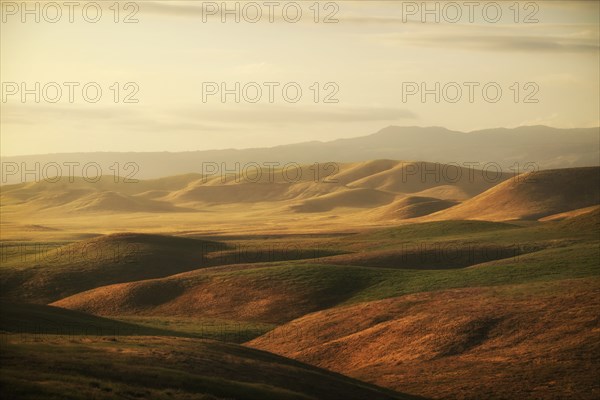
[{"x": 203, "y": 328}]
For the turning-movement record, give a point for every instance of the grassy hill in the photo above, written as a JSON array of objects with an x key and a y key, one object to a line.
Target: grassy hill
[
  {"x": 39, "y": 319},
  {"x": 356, "y": 276},
  {"x": 58, "y": 271},
  {"x": 164, "y": 368},
  {"x": 532, "y": 195},
  {"x": 535, "y": 340},
  {"x": 379, "y": 264},
  {"x": 44, "y": 321},
  {"x": 54, "y": 270}
]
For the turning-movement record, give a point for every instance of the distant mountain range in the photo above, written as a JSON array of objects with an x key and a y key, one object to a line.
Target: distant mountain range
[{"x": 543, "y": 146}]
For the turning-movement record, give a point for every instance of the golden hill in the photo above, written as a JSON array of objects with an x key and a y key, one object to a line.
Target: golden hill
[
  {"x": 110, "y": 201},
  {"x": 354, "y": 198},
  {"x": 315, "y": 188},
  {"x": 164, "y": 368},
  {"x": 249, "y": 292},
  {"x": 415, "y": 177},
  {"x": 503, "y": 342},
  {"x": 588, "y": 211},
  {"x": 531, "y": 196},
  {"x": 412, "y": 207}
]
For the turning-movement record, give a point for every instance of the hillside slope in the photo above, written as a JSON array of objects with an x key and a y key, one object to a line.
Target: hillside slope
[
  {"x": 163, "y": 368},
  {"x": 307, "y": 188},
  {"x": 528, "y": 341},
  {"x": 412, "y": 207},
  {"x": 531, "y": 196},
  {"x": 280, "y": 292},
  {"x": 56, "y": 272},
  {"x": 43, "y": 320}
]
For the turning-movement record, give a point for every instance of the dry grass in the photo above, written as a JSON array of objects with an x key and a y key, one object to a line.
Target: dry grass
[
  {"x": 511, "y": 312},
  {"x": 412, "y": 207},
  {"x": 192, "y": 202},
  {"x": 523, "y": 341},
  {"x": 164, "y": 368},
  {"x": 531, "y": 196}
]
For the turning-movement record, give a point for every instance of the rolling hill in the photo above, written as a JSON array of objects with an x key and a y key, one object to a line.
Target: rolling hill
[
  {"x": 518, "y": 337},
  {"x": 377, "y": 191},
  {"x": 302, "y": 189},
  {"x": 259, "y": 293},
  {"x": 58, "y": 271},
  {"x": 163, "y": 368},
  {"x": 412, "y": 207},
  {"x": 378, "y": 264},
  {"x": 530, "y": 196},
  {"x": 353, "y": 198},
  {"x": 43, "y": 321},
  {"x": 491, "y": 309}
]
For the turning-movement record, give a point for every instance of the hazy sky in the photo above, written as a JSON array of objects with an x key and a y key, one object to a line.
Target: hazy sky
[{"x": 370, "y": 57}]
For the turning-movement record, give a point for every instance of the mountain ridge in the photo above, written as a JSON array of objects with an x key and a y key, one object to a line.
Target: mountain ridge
[{"x": 546, "y": 147}]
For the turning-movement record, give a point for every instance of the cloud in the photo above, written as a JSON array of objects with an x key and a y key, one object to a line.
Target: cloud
[
  {"x": 537, "y": 38},
  {"x": 123, "y": 118},
  {"x": 205, "y": 11},
  {"x": 172, "y": 9},
  {"x": 272, "y": 114},
  {"x": 510, "y": 43},
  {"x": 200, "y": 118},
  {"x": 540, "y": 37}
]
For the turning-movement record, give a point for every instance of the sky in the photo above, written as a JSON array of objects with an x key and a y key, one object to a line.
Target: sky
[{"x": 350, "y": 70}]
